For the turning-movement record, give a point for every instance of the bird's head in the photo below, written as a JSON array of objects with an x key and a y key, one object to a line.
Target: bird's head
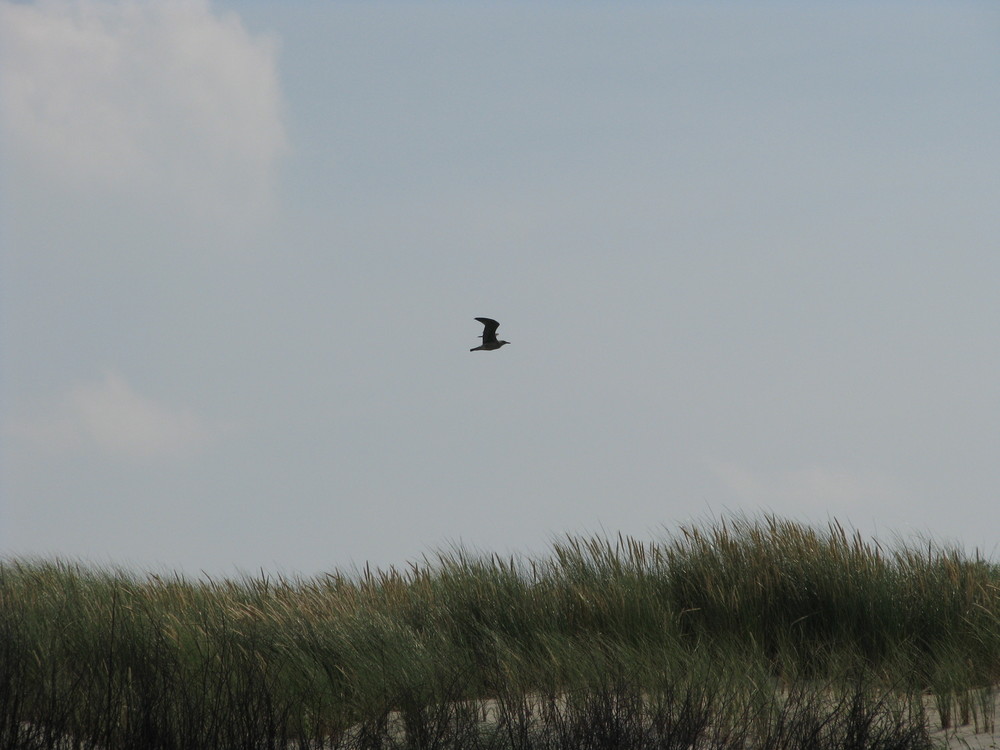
[{"x": 501, "y": 343}]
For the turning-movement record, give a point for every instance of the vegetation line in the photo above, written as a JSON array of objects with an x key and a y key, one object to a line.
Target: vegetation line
[{"x": 749, "y": 632}]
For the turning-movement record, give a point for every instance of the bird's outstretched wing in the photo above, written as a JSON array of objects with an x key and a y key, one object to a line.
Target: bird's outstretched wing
[{"x": 489, "y": 329}]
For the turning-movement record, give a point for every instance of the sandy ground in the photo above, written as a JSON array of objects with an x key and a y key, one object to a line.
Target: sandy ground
[
  {"x": 976, "y": 735},
  {"x": 965, "y": 737},
  {"x": 980, "y": 733}
]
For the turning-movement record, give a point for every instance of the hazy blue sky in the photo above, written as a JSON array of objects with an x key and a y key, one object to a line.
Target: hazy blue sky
[{"x": 746, "y": 254}]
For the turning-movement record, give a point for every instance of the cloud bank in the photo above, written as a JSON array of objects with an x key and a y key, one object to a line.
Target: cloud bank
[
  {"x": 109, "y": 416},
  {"x": 168, "y": 99},
  {"x": 811, "y": 487}
]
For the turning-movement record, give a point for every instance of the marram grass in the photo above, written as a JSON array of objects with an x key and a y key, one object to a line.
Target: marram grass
[{"x": 744, "y": 633}]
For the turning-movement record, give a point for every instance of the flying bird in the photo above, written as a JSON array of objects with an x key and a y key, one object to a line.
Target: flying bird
[{"x": 489, "y": 336}]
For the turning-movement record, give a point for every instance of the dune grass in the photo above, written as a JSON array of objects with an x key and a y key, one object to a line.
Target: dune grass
[{"x": 744, "y": 633}]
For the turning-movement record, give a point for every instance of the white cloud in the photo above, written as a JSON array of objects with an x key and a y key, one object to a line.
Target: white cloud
[
  {"x": 164, "y": 98},
  {"x": 811, "y": 487},
  {"x": 110, "y": 416}
]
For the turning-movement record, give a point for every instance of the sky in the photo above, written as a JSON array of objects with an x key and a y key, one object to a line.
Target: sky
[{"x": 745, "y": 254}]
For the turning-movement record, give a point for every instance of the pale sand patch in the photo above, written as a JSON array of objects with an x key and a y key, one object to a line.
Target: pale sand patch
[{"x": 978, "y": 734}]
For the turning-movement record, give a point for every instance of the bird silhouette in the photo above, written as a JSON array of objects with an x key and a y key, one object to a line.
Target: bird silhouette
[{"x": 489, "y": 337}]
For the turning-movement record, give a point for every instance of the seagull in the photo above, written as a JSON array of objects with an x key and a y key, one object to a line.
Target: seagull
[{"x": 489, "y": 336}]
